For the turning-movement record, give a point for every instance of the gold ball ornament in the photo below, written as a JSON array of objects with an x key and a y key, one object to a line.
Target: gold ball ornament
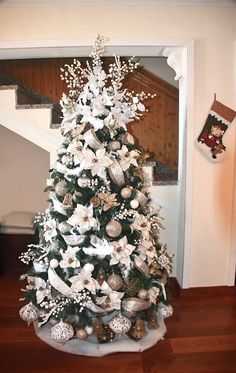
[
  {"x": 81, "y": 334},
  {"x": 126, "y": 193},
  {"x": 114, "y": 228},
  {"x": 115, "y": 282},
  {"x": 62, "y": 332},
  {"x": 28, "y": 313},
  {"x": 143, "y": 294},
  {"x": 61, "y": 188}
]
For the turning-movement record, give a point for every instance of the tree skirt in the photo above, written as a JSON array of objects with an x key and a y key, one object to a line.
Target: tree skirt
[{"x": 90, "y": 347}]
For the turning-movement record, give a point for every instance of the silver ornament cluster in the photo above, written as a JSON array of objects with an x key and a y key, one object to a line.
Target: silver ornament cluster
[{"x": 62, "y": 332}]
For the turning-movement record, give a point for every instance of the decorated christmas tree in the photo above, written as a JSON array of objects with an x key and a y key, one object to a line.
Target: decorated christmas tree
[{"x": 98, "y": 273}]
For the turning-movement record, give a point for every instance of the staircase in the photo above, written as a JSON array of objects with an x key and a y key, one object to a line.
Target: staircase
[{"x": 34, "y": 117}]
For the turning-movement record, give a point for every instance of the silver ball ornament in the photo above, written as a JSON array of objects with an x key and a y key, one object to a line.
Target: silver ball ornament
[
  {"x": 61, "y": 188},
  {"x": 62, "y": 332},
  {"x": 115, "y": 282},
  {"x": 113, "y": 228},
  {"x": 28, "y": 313},
  {"x": 126, "y": 193}
]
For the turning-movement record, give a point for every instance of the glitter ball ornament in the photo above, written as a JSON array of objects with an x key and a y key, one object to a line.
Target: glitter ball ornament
[
  {"x": 28, "y": 313},
  {"x": 81, "y": 334},
  {"x": 115, "y": 282},
  {"x": 114, "y": 145},
  {"x": 120, "y": 324},
  {"x": 134, "y": 204},
  {"x": 165, "y": 310},
  {"x": 126, "y": 193},
  {"x": 61, "y": 188},
  {"x": 54, "y": 263},
  {"x": 62, "y": 332},
  {"x": 113, "y": 228},
  {"x": 143, "y": 294}
]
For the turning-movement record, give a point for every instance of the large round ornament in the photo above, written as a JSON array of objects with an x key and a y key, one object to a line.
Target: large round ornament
[
  {"x": 54, "y": 263},
  {"x": 28, "y": 313},
  {"x": 126, "y": 193},
  {"x": 81, "y": 334},
  {"x": 61, "y": 188},
  {"x": 115, "y": 282},
  {"x": 113, "y": 228},
  {"x": 165, "y": 310},
  {"x": 62, "y": 332},
  {"x": 120, "y": 324}
]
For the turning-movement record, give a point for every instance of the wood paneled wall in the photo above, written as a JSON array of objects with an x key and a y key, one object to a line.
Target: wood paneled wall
[{"x": 157, "y": 131}]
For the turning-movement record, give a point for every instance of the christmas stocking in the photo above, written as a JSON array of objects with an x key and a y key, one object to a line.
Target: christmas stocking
[{"x": 211, "y": 137}]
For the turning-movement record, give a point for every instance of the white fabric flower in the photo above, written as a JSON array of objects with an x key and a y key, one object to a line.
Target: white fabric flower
[
  {"x": 84, "y": 280},
  {"x": 112, "y": 298},
  {"x": 147, "y": 250},
  {"x": 69, "y": 259},
  {"x": 142, "y": 224},
  {"x": 83, "y": 218},
  {"x": 153, "y": 294},
  {"x": 97, "y": 78},
  {"x": 96, "y": 162},
  {"x": 122, "y": 252},
  {"x": 127, "y": 158},
  {"x": 99, "y": 247},
  {"x": 42, "y": 289},
  {"x": 50, "y": 229}
]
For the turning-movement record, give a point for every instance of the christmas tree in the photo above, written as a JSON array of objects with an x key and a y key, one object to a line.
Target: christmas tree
[{"x": 98, "y": 273}]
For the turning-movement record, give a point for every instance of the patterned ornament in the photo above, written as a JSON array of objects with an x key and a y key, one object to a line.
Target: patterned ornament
[
  {"x": 61, "y": 188},
  {"x": 81, "y": 334},
  {"x": 28, "y": 313},
  {"x": 143, "y": 294},
  {"x": 152, "y": 321},
  {"x": 62, "y": 332},
  {"x": 115, "y": 282},
  {"x": 134, "y": 204},
  {"x": 114, "y": 145},
  {"x": 101, "y": 277},
  {"x": 113, "y": 228},
  {"x": 165, "y": 310},
  {"x": 120, "y": 324},
  {"x": 132, "y": 286},
  {"x": 138, "y": 331},
  {"x": 126, "y": 193}
]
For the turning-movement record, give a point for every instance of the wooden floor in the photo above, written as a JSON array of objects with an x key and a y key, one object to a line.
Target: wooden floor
[{"x": 201, "y": 338}]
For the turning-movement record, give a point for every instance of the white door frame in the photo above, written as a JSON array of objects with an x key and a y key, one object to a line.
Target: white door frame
[{"x": 180, "y": 55}]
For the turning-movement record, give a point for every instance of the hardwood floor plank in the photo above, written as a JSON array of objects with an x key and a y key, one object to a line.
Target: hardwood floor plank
[{"x": 203, "y": 344}]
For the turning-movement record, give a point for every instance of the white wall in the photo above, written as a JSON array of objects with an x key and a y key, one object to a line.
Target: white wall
[
  {"x": 214, "y": 33},
  {"x": 24, "y": 169},
  {"x": 159, "y": 67}
]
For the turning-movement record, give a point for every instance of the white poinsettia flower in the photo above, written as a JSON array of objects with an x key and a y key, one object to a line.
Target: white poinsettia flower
[
  {"x": 112, "y": 298},
  {"x": 97, "y": 78},
  {"x": 107, "y": 98},
  {"x": 83, "y": 219},
  {"x": 153, "y": 294},
  {"x": 98, "y": 106},
  {"x": 42, "y": 289},
  {"x": 69, "y": 259},
  {"x": 127, "y": 157},
  {"x": 96, "y": 162},
  {"x": 50, "y": 229},
  {"x": 142, "y": 224},
  {"x": 84, "y": 280},
  {"x": 121, "y": 253},
  {"x": 147, "y": 250},
  {"x": 100, "y": 248}
]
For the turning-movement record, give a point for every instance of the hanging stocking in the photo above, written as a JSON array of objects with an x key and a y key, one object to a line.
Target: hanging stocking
[{"x": 211, "y": 137}]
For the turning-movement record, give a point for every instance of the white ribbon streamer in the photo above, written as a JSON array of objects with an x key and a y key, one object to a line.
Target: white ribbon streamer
[
  {"x": 59, "y": 284},
  {"x": 92, "y": 140},
  {"x": 116, "y": 173}
]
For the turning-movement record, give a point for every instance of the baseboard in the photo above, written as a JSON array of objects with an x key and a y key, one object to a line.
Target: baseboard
[{"x": 204, "y": 291}]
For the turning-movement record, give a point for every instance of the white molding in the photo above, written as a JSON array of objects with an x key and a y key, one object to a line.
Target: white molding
[{"x": 114, "y": 3}]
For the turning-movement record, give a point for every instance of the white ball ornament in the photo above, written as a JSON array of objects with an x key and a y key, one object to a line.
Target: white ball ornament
[
  {"x": 113, "y": 228},
  {"x": 134, "y": 204},
  {"x": 126, "y": 193},
  {"x": 54, "y": 263},
  {"x": 28, "y": 313},
  {"x": 62, "y": 332}
]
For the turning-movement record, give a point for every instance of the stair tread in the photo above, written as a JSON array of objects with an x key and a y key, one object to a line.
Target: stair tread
[{"x": 34, "y": 106}]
